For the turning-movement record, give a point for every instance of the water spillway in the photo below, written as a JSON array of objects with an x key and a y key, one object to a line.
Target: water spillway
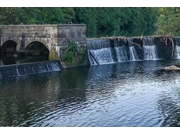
[
  {"x": 150, "y": 52},
  {"x": 29, "y": 68},
  {"x": 132, "y": 51},
  {"x": 114, "y": 50},
  {"x": 121, "y": 54},
  {"x": 103, "y": 51},
  {"x": 101, "y": 56},
  {"x": 133, "y": 54},
  {"x": 99, "y": 52},
  {"x": 177, "y": 52},
  {"x": 177, "y": 48}
]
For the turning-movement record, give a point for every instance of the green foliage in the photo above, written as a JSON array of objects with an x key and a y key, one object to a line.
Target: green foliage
[
  {"x": 68, "y": 57},
  {"x": 72, "y": 54},
  {"x": 87, "y": 16},
  {"x": 100, "y": 21},
  {"x": 69, "y": 14},
  {"x": 108, "y": 20},
  {"x": 72, "y": 46},
  {"x": 69, "y": 52},
  {"x": 168, "y": 21}
]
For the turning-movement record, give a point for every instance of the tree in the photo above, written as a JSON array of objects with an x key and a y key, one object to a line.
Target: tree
[
  {"x": 108, "y": 21},
  {"x": 69, "y": 14},
  {"x": 168, "y": 21},
  {"x": 87, "y": 16},
  {"x": 100, "y": 21},
  {"x": 11, "y": 15}
]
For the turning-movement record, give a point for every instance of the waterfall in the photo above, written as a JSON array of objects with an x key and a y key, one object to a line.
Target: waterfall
[
  {"x": 177, "y": 52},
  {"x": 132, "y": 51},
  {"x": 133, "y": 54},
  {"x": 91, "y": 59},
  {"x": 97, "y": 44},
  {"x": 177, "y": 48},
  {"x": 100, "y": 56},
  {"x": 58, "y": 50},
  {"x": 105, "y": 51},
  {"x": 99, "y": 52},
  {"x": 121, "y": 53},
  {"x": 29, "y": 68},
  {"x": 150, "y": 51}
]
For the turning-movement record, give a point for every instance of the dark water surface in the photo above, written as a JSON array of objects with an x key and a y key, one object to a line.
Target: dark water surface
[
  {"x": 10, "y": 59},
  {"x": 125, "y": 94}
]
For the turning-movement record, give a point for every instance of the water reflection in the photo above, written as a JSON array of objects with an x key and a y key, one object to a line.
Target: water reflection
[
  {"x": 123, "y": 94},
  {"x": 22, "y": 99},
  {"x": 29, "y": 101},
  {"x": 169, "y": 102},
  {"x": 11, "y": 59}
]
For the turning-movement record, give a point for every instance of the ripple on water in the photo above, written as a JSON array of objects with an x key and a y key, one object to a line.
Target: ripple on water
[{"x": 126, "y": 94}]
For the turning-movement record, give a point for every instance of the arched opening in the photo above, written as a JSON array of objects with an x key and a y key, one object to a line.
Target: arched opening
[
  {"x": 8, "y": 47},
  {"x": 7, "y": 51},
  {"x": 37, "y": 50}
]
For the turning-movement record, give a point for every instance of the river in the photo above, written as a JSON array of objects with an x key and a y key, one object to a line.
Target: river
[{"x": 125, "y": 94}]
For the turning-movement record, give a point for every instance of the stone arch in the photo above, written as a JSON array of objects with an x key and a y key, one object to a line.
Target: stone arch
[
  {"x": 8, "y": 47},
  {"x": 37, "y": 47},
  {"x": 37, "y": 40}
]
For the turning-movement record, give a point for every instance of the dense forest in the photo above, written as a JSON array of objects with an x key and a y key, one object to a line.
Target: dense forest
[{"x": 100, "y": 21}]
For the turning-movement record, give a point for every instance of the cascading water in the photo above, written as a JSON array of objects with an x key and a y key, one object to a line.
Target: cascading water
[
  {"x": 177, "y": 48},
  {"x": 121, "y": 53},
  {"x": 132, "y": 51},
  {"x": 104, "y": 51},
  {"x": 177, "y": 52},
  {"x": 97, "y": 44},
  {"x": 101, "y": 56},
  {"x": 150, "y": 51},
  {"x": 99, "y": 52},
  {"x": 29, "y": 68},
  {"x": 133, "y": 54}
]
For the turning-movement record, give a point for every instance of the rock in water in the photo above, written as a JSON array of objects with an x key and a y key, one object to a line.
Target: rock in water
[{"x": 173, "y": 67}]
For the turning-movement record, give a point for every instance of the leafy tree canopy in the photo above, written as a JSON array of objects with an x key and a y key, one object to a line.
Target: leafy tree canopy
[{"x": 100, "y": 21}]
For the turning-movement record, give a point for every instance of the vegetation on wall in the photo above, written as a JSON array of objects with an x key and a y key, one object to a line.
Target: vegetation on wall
[{"x": 71, "y": 54}]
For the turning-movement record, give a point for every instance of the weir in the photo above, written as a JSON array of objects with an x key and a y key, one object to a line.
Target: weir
[
  {"x": 133, "y": 54},
  {"x": 121, "y": 53},
  {"x": 113, "y": 50},
  {"x": 132, "y": 51},
  {"x": 99, "y": 52},
  {"x": 177, "y": 48},
  {"x": 107, "y": 51},
  {"x": 29, "y": 68},
  {"x": 150, "y": 51}
]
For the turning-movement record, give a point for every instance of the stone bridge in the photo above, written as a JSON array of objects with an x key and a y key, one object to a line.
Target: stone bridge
[{"x": 42, "y": 39}]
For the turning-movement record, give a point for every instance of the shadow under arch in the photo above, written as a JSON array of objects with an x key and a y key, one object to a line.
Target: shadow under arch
[
  {"x": 8, "y": 47},
  {"x": 37, "y": 48}
]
